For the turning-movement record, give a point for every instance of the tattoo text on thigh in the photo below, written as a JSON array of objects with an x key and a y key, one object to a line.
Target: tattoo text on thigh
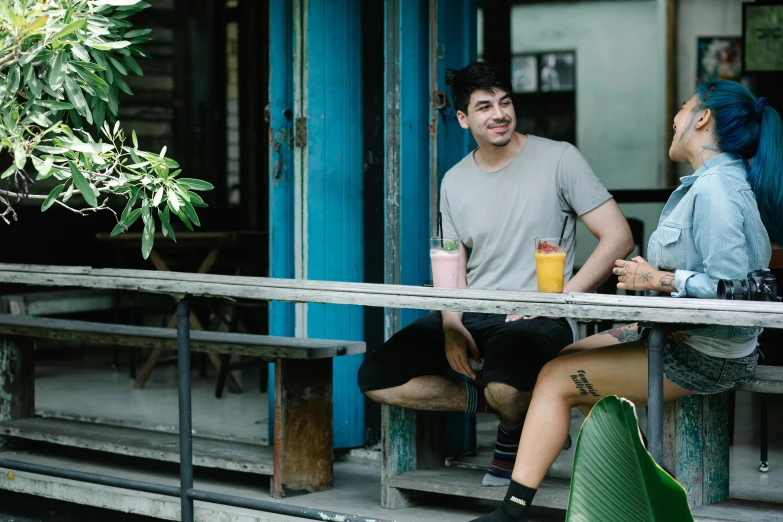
[
  {"x": 583, "y": 385},
  {"x": 623, "y": 335}
]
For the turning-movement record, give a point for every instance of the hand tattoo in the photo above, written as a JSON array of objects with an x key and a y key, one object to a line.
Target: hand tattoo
[
  {"x": 667, "y": 282},
  {"x": 646, "y": 276}
]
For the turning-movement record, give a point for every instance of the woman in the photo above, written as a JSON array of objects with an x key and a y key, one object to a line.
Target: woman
[{"x": 713, "y": 227}]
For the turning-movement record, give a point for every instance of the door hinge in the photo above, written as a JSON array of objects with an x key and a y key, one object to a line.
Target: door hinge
[{"x": 300, "y": 132}]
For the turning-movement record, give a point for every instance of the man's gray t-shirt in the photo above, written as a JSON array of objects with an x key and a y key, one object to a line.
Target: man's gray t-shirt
[{"x": 499, "y": 214}]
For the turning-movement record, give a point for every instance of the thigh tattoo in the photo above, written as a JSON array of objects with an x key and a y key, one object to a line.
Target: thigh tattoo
[
  {"x": 624, "y": 335},
  {"x": 583, "y": 385}
]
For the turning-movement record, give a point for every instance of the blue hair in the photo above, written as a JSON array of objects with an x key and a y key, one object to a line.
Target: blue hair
[{"x": 747, "y": 126}]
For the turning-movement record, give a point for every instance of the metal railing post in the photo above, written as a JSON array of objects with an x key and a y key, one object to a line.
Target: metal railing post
[
  {"x": 655, "y": 393},
  {"x": 185, "y": 415}
]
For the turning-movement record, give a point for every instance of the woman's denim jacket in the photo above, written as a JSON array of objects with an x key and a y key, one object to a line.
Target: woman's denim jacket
[{"x": 710, "y": 229}]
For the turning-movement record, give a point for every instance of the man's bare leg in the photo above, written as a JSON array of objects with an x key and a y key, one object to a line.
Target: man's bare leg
[{"x": 429, "y": 392}]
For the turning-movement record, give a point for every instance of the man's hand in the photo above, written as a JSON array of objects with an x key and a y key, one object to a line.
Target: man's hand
[{"x": 458, "y": 342}]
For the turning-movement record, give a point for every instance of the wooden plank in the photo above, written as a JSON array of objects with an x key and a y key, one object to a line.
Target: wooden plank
[
  {"x": 166, "y": 338},
  {"x": 154, "y": 445},
  {"x": 715, "y": 434},
  {"x": 767, "y": 379},
  {"x": 736, "y": 510},
  {"x": 65, "y": 301},
  {"x": 17, "y": 378},
  {"x": 578, "y": 306},
  {"x": 398, "y": 440},
  {"x": 303, "y": 456},
  {"x": 553, "y": 493}
]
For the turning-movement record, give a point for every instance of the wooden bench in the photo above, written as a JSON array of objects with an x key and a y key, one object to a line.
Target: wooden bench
[{"x": 301, "y": 460}]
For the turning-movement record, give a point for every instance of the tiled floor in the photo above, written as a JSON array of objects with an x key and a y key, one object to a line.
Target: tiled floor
[{"x": 89, "y": 389}]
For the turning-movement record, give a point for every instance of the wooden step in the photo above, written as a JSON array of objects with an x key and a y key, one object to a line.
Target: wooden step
[
  {"x": 553, "y": 493},
  {"x": 737, "y": 510},
  {"x": 155, "y": 445}
]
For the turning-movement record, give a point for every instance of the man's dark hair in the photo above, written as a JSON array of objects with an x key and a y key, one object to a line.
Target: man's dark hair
[{"x": 477, "y": 76}]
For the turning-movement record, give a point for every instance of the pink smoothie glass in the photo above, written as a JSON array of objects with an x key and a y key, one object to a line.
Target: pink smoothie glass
[{"x": 445, "y": 258}]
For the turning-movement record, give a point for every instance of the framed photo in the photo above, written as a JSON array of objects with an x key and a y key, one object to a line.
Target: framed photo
[
  {"x": 720, "y": 58},
  {"x": 762, "y": 33},
  {"x": 524, "y": 73},
  {"x": 556, "y": 72}
]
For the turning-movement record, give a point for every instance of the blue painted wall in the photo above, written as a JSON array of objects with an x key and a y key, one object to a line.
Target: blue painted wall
[
  {"x": 333, "y": 190},
  {"x": 414, "y": 148},
  {"x": 281, "y": 171}
]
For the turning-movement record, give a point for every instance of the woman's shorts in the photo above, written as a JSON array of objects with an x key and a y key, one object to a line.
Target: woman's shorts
[{"x": 704, "y": 374}]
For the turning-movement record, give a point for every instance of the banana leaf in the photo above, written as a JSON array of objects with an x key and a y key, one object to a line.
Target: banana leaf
[{"x": 614, "y": 478}]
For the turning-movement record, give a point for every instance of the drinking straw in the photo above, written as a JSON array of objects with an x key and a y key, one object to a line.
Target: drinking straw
[{"x": 562, "y": 232}]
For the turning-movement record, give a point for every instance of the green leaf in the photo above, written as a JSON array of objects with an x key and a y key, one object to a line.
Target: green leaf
[
  {"x": 20, "y": 156},
  {"x": 92, "y": 148},
  {"x": 175, "y": 174},
  {"x": 10, "y": 170},
  {"x": 56, "y": 105},
  {"x": 196, "y": 200},
  {"x": 35, "y": 86},
  {"x": 136, "y": 33},
  {"x": 43, "y": 167},
  {"x": 113, "y": 101},
  {"x": 126, "y": 222},
  {"x": 173, "y": 200},
  {"x": 135, "y": 141},
  {"x": 128, "y": 207},
  {"x": 133, "y": 65},
  {"x": 108, "y": 46},
  {"x": 145, "y": 211},
  {"x": 165, "y": 221},
  {"x": 82, "y": 185},
  {"x": 12, "y": 81},
  {"x": 89, "y": 76},
  {"x": 148, "y": 238},
  {"x": 185, "y": 220},
  {"x": 158, "y": 197},
  {"x": 57, "y": 74},
  {"x": 49, "y": 201},
  {"x": 118, "y": 66},
  {"x": 31, "y": 53},
  {"x": 614, "y": 478},
  {"x": 80, "y": 52},
  {"x": 70, "y": 28},
  {"x": 118, "y": 3},
  {"x": 120, "y": 83},
  {"x": 77, "y": 98},
  {"x": 191, "y": 213},
  {"x": 99, "y": 112},
  {"x": 195, "y": 184},
  {"x": 51, "y": 150}
]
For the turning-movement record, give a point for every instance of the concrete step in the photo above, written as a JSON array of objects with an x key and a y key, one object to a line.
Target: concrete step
[{"x": 155, "y": 445}]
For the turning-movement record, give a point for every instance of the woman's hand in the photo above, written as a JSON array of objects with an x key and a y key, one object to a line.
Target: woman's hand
[{"x": 638, "y": 274}]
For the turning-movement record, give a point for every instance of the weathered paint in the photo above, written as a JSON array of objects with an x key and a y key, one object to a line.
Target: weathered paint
[
  {"x": 696, "y": 446},
  {"x": 332, "y": 189},
  {"x": 17, "y": 391},
  {"x": 281, "y": 158}
]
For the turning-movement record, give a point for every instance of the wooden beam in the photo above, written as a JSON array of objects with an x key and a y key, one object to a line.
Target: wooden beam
[
  {"x": 575, "y": 305},
  {"x": 166, "y": 338}
]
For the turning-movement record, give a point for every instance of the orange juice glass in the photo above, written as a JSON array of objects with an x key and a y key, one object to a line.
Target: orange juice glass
[{"x": 550, "y": 263}]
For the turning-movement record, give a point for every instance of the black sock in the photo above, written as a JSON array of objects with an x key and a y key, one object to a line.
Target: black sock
[{"x": 514, "y": 507}]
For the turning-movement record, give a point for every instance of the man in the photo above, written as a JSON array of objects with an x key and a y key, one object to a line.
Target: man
[{"x": 497, "y": 200}]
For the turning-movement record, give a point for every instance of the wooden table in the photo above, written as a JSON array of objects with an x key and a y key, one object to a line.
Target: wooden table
[{"x": 214, "y": 242}]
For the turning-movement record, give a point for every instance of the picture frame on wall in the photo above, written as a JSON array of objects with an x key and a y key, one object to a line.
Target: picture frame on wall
[
  {"x": 720, "y": 58},
  {"x": 543, "y": 72},
  {"x": 762, "y": 35}
]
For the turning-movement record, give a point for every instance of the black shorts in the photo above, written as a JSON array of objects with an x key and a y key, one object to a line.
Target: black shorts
[{"x": 513, "y": 352}]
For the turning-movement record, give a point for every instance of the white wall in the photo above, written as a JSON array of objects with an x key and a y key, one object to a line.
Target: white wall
[
  {"x": 620, "y": 57},
  {"x": 697, "y": 18}
]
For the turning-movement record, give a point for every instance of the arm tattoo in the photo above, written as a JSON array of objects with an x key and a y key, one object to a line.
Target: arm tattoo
[
  {"x": 583, "y": 385},
  {"x": 646, "y": 276},
  {"x": 624, "y": 335},
  {"x": 667, "y": 282}
]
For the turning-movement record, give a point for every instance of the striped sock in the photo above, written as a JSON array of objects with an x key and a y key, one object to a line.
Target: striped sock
[
  {"x": 505, "y": 454},
  {"x": 476, "y": 401}
]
